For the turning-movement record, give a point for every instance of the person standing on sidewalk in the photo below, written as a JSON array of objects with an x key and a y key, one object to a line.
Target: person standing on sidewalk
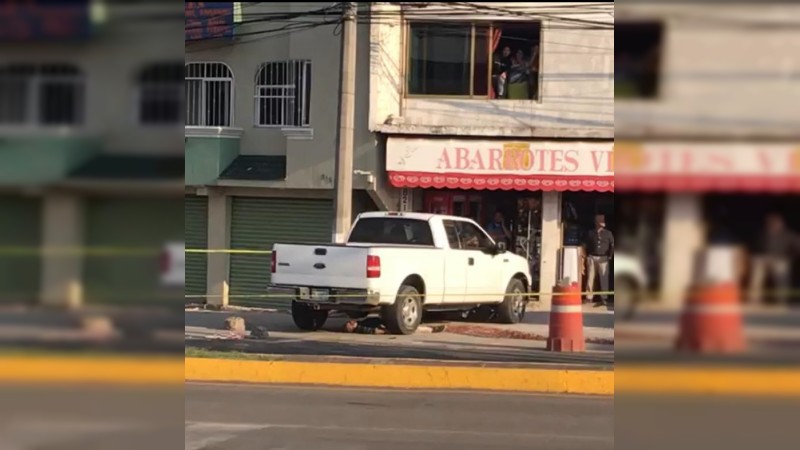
[
  {"x": 775, "y": 249},
  {"x": 599, "y": 247}
]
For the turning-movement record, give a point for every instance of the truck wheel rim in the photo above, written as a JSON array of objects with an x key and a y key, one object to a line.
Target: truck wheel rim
[
  {"x": 410, "y": 311},
  {"x": 518, "y": 302}
]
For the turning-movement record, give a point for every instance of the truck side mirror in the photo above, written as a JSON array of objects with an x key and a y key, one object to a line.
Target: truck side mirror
[{"x": 501, "y": 247}]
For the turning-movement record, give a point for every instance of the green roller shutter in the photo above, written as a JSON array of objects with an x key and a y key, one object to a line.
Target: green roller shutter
[
  {"x": 21, "y": 227},
  {"x": 137, "y": 229},
  {"x": 196, "y": 232},
  {"x": 256, "y": 224}
]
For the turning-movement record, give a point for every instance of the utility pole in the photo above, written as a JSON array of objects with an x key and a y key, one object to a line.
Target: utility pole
[{"x": 343, "y": 187}]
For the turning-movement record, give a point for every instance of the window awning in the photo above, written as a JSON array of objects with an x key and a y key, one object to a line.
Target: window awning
[
  {"x": 500, "y": 182},
  {"x": 500, "y": 165},
  {"x": 706, "y": 167}
]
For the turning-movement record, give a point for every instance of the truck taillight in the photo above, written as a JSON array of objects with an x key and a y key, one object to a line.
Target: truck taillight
[
  {"x": 373, "y": 266},
  {"x": 274, "y": 264}
]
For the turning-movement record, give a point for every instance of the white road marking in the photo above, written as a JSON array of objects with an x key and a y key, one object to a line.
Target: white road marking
[{"x": 199, "y": 435}]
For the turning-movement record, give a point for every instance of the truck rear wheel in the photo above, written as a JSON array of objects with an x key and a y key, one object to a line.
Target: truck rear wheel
[
  {"x": 307, "y": 318},
  {"x": 405, "y": 314},
  {"x": 512, "y": 310}
]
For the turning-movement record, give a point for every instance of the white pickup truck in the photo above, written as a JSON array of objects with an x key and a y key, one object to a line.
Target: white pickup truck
[{"x": 401, "y": 264}]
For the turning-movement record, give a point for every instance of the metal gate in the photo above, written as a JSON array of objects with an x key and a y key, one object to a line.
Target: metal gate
[
  {"x": 20, "y": 266},
  {"x": 195, "y": 210},
  {"x": 258, "y": 223}
]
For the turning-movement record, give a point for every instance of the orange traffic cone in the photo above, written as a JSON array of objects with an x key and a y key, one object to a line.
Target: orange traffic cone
[
  {"x": 712, "y": 320},
  {"x": 566, "y": 319}
]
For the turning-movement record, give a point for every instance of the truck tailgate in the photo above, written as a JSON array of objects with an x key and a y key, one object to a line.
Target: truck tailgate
[{"x": 320, "y": 265}]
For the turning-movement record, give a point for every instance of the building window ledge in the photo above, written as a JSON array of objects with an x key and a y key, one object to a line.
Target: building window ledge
[
  {"x": 298, "y": 134},
  {"x": 220, "y": 132}
]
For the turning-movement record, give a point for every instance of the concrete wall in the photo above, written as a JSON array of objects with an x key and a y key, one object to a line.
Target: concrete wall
[
  {"x": 123, "y": 44},
  {"x": 310, "y": 151},
  {"x": 726, "y": 70},
  {"x": 577, "y": 91}
]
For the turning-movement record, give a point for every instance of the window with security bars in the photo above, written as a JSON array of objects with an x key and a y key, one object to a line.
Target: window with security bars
[
  {"x": 41, "y": 95},
  {"x": 209, "y": 94},
  {"x": 161, "y": 94},
  {"x": 283, "y": 94}
]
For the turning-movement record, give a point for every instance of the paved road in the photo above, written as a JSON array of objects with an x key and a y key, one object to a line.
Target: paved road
[
  {"x": 285, "y": 339},
  {"x": 241, "y": 417},
  {"x": 90, "y": 418}
]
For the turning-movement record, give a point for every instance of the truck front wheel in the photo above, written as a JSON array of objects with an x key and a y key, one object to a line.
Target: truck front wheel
[
  {"x": 307, "y": 318},
  {"x": 512, "y": 310},
  {"x": 405, "y": 314}
]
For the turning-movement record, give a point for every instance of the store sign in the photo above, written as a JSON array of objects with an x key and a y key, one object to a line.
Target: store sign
[
  {"x": 28, "y": 21},
  {"x": 499, "y": 157},
  {"x": 208, "y": 20},
  {"x": 718, "y": 167},
  {"x": 723, "y": 159}
]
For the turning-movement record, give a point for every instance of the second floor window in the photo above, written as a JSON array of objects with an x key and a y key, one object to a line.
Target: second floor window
[
  {"x": 637, "y": 58},
  {"x": 283, "y": 94},
  {"x": 41, "y": 95},
  {"x": 209, "y": 94},
  {"x": 161, "y": 94},
  {"x": 491, "y": 61}
]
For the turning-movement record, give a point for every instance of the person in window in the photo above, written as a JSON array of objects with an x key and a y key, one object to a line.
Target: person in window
[
  {"x": 500, "y": 65},
  {"x": 497, "y": 229},
  {"x": 518, "y": 77}
]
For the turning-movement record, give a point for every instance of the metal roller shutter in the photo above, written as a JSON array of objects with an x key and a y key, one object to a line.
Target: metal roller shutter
[
  {"x": 196, "y": 231},
  {"x": 256, "y": 224},
  {"x": 137, "y": 228},
  {"x": 20, "y": 226}
]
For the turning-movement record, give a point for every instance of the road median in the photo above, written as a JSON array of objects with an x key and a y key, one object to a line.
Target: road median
[{"x": 403, "y": 376}]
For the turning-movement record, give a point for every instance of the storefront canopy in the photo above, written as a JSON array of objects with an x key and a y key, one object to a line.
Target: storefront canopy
[
  {"x": 500, "y": 165},
  {"x": 706, "y": 167}
]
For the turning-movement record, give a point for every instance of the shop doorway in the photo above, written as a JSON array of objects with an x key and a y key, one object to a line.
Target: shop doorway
[{"x": 738, "y": 219}]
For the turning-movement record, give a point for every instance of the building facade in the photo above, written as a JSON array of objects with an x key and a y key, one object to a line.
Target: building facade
[
  {"x": 436, "y": 129},
  {"x": 486, "y": 108},
  {"x": 90, "y": 114},
  {"x": 707, "y": 141}
]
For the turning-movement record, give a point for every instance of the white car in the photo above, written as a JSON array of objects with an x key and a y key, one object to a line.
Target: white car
[
  {"x": 630, "y": 282},
  {"x": 401, "y": 264}
]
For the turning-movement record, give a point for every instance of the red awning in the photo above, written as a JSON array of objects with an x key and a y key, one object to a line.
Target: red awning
[
  {"x": 707, "y": 183},
  {"x": 504, "y": 182}
]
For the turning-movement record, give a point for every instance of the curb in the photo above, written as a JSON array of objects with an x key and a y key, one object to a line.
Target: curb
[
  {"x": 727, "y": 381},
  {"x": 557, "y": 381},
  {"x": 91, "y": 369}
]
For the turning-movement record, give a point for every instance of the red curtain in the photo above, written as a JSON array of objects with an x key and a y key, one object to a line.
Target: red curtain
[{"x": 497, "y": 33}]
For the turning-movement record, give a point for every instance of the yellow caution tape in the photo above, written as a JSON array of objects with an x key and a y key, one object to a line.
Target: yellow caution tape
[{"x": 500, "y": 295}]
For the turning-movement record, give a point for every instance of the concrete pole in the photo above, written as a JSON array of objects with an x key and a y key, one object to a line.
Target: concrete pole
[
  {"x": 218, "y": 264},
  {"x": 344, "y": 151},
  {"x": 62, "y": 274}
]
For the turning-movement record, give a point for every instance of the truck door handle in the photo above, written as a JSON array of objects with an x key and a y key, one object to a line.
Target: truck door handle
[{"x": 471, "y": 261}]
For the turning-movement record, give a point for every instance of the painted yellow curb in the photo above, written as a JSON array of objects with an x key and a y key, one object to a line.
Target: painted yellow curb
[
  {"x": 66, "y": 369},
  {"x": 781, "y": 382},
  {"x": 401, "y": 376}
]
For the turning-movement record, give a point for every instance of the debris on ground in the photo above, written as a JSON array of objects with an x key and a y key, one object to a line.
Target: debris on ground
[
  {"x": 259, "y": 333},
  {"x": 502, "y": 333},
  {"x": 235, "y": 324},
  {"x": 97, "y": 327}
]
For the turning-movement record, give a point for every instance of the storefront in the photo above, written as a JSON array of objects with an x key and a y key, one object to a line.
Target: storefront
[
  {"x": 547, "y": 191},
  {"x": 704, "y": 192}
]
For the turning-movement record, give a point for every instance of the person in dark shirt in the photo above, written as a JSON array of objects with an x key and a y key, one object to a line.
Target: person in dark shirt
[
  {"x": 775, "y": 248},
  {"x": 599, "y": 246},
  {"x": 497, "y": 229}
]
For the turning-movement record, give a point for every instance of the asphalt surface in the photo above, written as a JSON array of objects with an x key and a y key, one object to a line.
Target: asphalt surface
[
  {"x": 90, "y": 418},
  {"x": 243, "y": 417}
]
